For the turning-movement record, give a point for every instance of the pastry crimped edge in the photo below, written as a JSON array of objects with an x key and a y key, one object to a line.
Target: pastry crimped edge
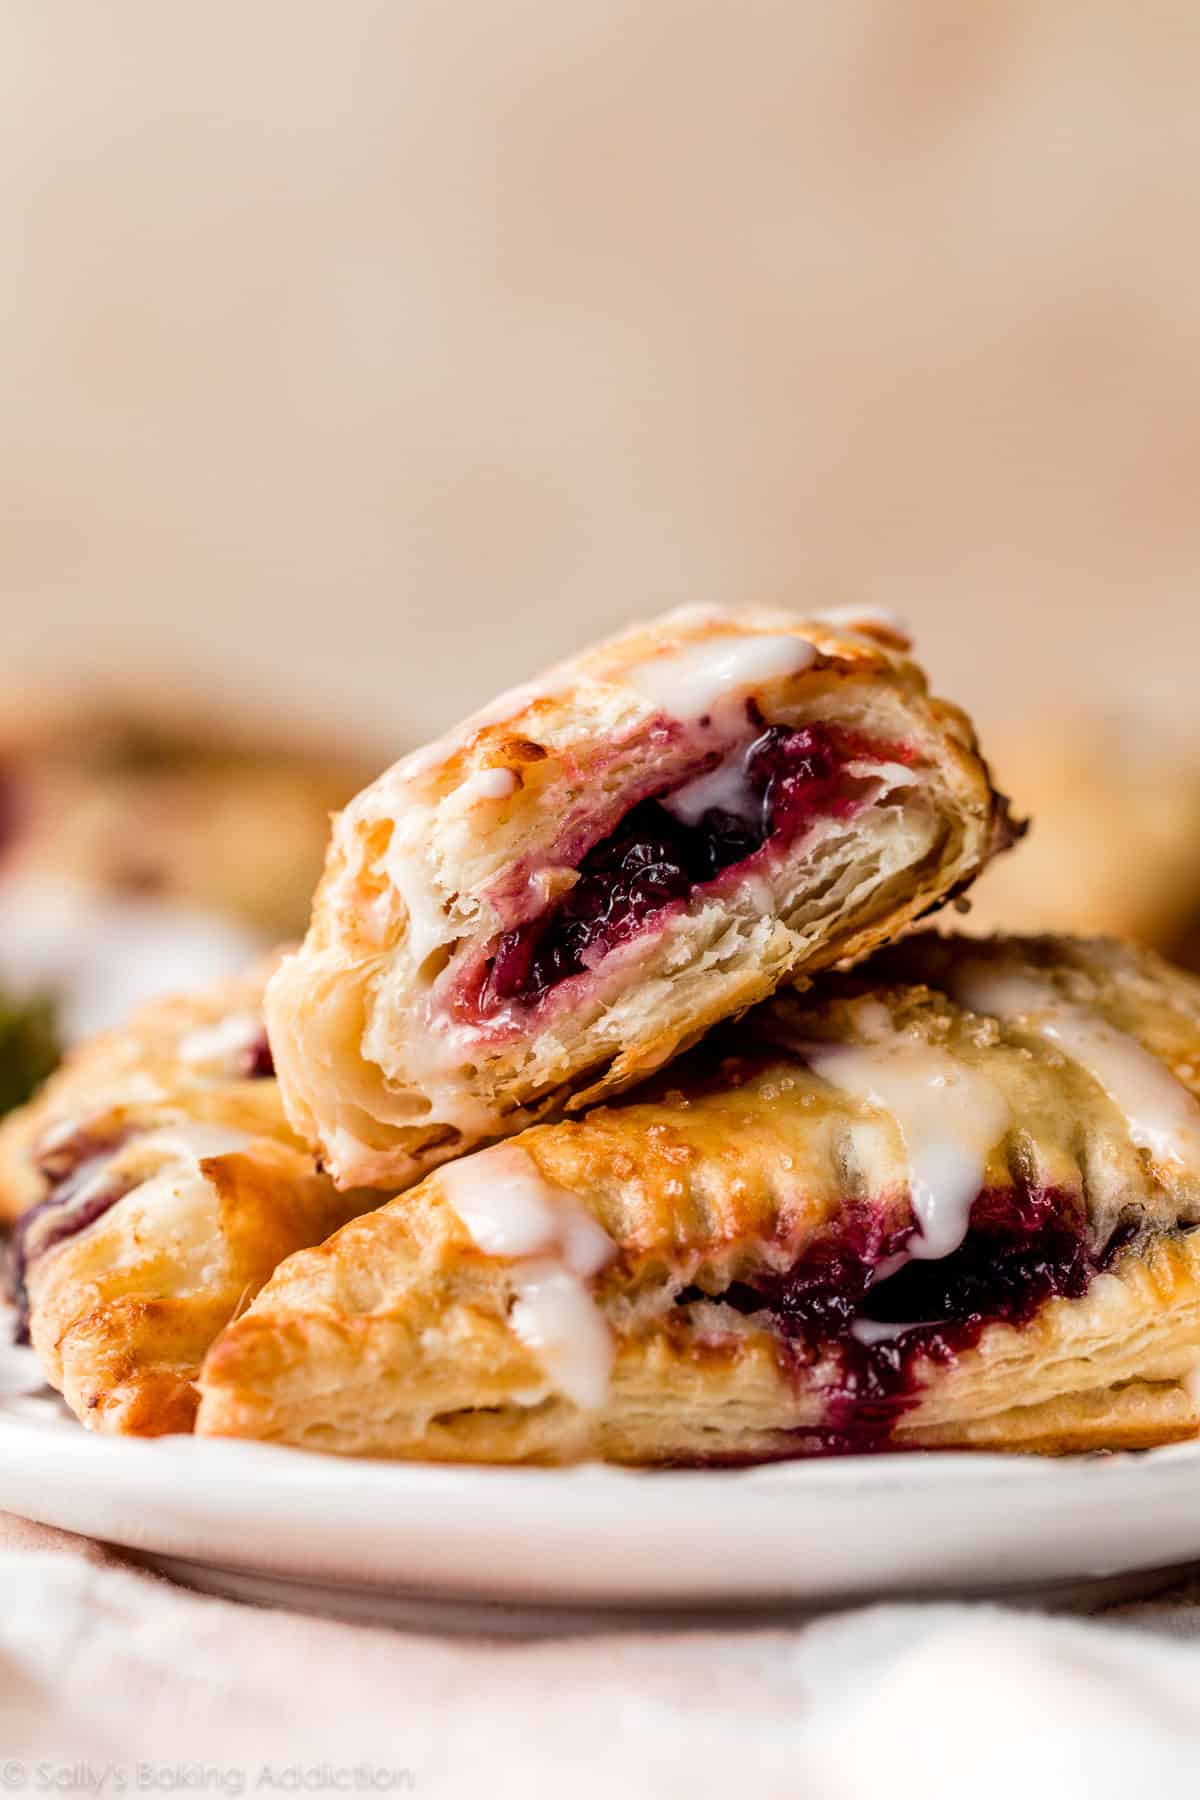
[
  {"x": 122, "y": 1315},
  {"x": 214, "y": 1191},
  {"x": 394, "y": 1339},
  {"x": 705, "y": 1408},
  {"x": 345, "y": 1011}
]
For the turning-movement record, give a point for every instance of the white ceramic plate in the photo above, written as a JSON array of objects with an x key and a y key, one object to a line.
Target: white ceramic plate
[{"x": 388, "y": 1541}]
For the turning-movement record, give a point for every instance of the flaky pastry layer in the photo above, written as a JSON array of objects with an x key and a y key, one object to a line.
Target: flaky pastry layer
[
  {"x": 759, "y": 1256},
  {"x": 159, "y": 1185},
  {"x": 555, "y": 900}
]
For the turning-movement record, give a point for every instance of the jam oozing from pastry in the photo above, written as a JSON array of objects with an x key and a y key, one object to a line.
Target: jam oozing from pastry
[
  {"x": 260, "y": 1064},
  {"x": 82, "y": 1189},
  {"x": 668, "y": 846},
  {"x": 1022, "y": 1249},
  {"x": 87, "y": 1172}
]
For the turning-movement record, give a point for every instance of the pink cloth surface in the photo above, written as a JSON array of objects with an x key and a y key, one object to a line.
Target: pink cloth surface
[{"x": 116, "y": 1681}]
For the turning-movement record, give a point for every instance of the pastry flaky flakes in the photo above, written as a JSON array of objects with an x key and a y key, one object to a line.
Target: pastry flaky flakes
[
  {"x": 158, "y": 1185},
  {"x": 559, "y": 897},
  {"x": 945, "y": 1201}
]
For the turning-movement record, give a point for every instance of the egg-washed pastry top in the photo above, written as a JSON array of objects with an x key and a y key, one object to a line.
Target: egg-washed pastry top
[
  {"x": 554, "y": 900},
  {"x": 155, "y": 1185},
  {"x": 946, "y": 1200}
]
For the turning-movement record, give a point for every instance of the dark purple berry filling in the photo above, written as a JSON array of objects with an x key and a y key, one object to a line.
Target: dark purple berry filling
[
  {"x": 72, "y": 1166},
  {"x": 653, "y": 859},
  {"x": 1023, "y": 1249},
  {"x": 259, "y": 1063}
]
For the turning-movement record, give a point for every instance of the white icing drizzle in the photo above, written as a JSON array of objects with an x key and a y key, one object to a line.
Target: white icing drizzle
[
  {"x": 726, "y": 787},
  {"x": 691, "y": 682},
  {"x": 220, "y": 1049},
  {"x": 487, "y": 784},
  {"x": 949, "y": 1116},
  {"x": 556, "y": 1318},
  {"x": 511, "y": 1210},
  {"x": 880, "y": 1331},
  {"x": 91, "y": 1177},
  {"x": 1163, "y": 1116},
  {"x": 436, "y": 1052},
  {"x": 890, "y": 774},
  {"x": 193, "y": 1140},
  {"x": 427, "y": 924}
]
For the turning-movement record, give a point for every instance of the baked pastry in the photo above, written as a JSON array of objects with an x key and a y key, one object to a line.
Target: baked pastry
[
  {"x": 146, "y": 849},
  {"x": 945, "y": 1201},
  {"x": 128, "y": 798},
  {"x": 553, "y": 901},
  {"x": 1112, "y": 850},
  {"x": 158, "y": 1185}
]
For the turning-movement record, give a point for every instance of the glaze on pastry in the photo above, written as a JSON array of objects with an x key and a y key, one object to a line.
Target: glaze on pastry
[
  {"x": 555, "y": 900},
  {"x": 158, "y": 1185},
  {"x": 945, "y": 1201}
]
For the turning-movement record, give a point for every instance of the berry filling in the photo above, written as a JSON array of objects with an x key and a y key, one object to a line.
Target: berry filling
[
  {"x": 79, "y": 1195},
  {"x": 259, "y": 1062},
  {"x": 659, "y": 854},
  {"x": 1022, "y": 1249}
]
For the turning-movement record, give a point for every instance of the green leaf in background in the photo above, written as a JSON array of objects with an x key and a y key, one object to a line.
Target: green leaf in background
[{"x": 29, "y": 1048}]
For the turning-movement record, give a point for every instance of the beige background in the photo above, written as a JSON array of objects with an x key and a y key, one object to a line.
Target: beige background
[{"x": 368, "y": 353}]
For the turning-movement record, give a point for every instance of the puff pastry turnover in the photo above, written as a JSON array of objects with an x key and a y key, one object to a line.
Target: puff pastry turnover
[
  {"x": 128, "y": 798},
  {"x": 553, "y": 901},
  {"x": 948, "y": 1200},
  {"x": 158, "y": 1185}
]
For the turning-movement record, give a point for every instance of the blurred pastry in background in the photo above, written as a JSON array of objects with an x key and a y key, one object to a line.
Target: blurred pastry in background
[
  {"x": 1113, "y": 846},
  {"x": 145, "y": 847},
  {"x": 129, "y": 801},
  {"x": 157, "y": 1186}
]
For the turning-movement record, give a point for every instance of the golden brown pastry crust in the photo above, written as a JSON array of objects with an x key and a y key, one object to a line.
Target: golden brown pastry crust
[
  {"x": 150, "y": 1070},
  {"x": 738, "y": 1168},
  {"x": 202, "y": 1190},
  {"x": 387, "y": 1061}
]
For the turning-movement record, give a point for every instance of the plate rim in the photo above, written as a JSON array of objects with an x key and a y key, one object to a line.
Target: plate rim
[{"x": 275, "y": 1511}]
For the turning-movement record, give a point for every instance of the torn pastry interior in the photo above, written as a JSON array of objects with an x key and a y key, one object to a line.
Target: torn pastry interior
[
  {"x": 157, "y": 1185},
  {"x": 554, "y": 900},
  {"x": 946, "y": 1201}
]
